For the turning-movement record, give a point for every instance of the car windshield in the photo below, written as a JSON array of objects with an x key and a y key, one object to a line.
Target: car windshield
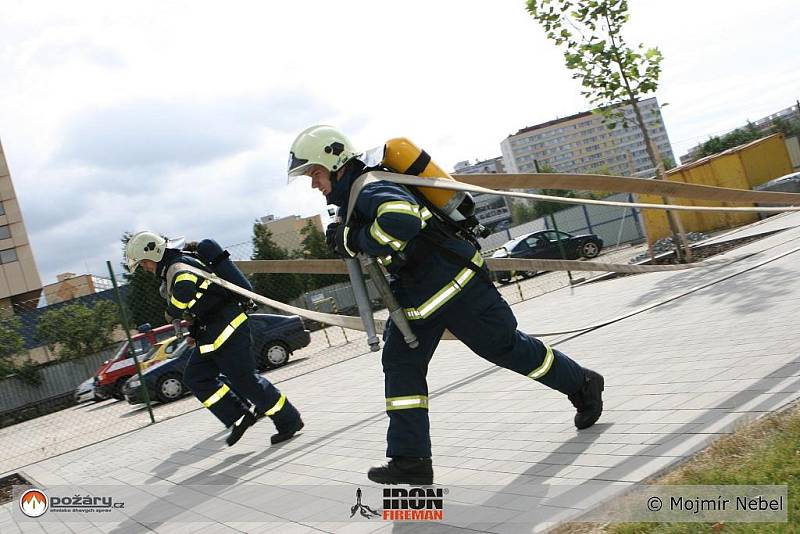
[
  {"x": 180, "y": 349},
  {"x": 149, "y": 354}
]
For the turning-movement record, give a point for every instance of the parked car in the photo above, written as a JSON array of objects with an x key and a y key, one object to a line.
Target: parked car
[
  {"x": 275, "y": 338},
  {"x": 85, "y": 391},
  {"x": 545, "y": 245},
  {"x": 162, "y": 350},
  {"x": 113, "y": 373},
  {"x": 788, "y": 183}
]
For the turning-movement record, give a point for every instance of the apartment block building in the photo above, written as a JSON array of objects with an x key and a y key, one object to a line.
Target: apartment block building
[
  {"x": 286, "y": 230},
  {"x": 581, "y": 143},
  {"x": 493, "y": 211},
  {"x": 69, "y": 286},
  {"x": 20, "y": 284}
]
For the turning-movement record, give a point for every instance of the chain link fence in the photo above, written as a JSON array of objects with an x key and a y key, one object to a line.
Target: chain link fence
[{"x": 69, "y": 375}]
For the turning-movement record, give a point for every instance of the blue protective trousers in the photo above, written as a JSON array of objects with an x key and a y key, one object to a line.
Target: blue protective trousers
[
  {"x": 230, "y": 398},
  {"x": 484, "y": 322}
]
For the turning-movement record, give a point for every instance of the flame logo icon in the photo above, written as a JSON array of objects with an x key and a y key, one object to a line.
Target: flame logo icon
[{"x": 33, "y": 503}]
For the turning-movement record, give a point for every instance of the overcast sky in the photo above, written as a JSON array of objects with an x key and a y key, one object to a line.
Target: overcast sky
[{"x": 178, "y": 116}]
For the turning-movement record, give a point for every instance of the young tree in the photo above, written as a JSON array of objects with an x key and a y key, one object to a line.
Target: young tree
[
  {"x": 78, "y": 329},
  {"x": 522, "y": 211},
  {"x": 143, "y": 300},
  {"x": 612, "y": 73},
  {"x": 283, "y": 286}
]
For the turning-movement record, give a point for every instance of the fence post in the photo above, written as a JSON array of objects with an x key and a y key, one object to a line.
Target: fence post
[
  {"x": 324, "y": 328},
  {"x": 561, "y": 246},
  {"x": 636, "y": 217},
  {"x": 588, "y": 220},
  {"x": 124, "y": 318}
]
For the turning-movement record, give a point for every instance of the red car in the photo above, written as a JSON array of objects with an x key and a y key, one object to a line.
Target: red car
[{"x": 113, "y": 373}]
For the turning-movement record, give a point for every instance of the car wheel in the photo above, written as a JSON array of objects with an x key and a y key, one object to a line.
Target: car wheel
[
  {"x": 116, "y": 391},
  {"x": 590, "y": 249},
  {"x": 169, "y": 388},
  {"x": 528, "y": 274},
  {"x": 275, "y": 354}
]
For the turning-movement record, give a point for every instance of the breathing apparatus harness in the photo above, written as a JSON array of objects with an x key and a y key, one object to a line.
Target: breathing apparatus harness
[{"x": 439, "y": 227}]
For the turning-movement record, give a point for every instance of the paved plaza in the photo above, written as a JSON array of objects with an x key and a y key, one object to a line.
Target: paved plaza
[{"x": 687, "y": 356}]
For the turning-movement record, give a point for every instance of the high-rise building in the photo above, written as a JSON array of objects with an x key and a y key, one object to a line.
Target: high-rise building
[
  {"x": 583, "y": 144},
  {"x": 492, "y": 210},
  {"x": 20, "y": 284}
]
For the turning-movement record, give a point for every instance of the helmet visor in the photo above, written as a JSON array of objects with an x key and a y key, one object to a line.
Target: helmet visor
[
  {"x": 297, "y": 166},
  {"x": 133, "y": 264}
]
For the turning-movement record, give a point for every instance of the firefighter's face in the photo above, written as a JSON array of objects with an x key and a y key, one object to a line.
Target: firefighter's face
[
  {"x": 148, "y": 265},
  {"x": 321, "y": 179}
]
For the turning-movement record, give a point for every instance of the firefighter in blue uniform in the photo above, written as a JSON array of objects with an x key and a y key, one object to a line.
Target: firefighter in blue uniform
[
  {"x": 441, "y": 282},
  {"x": 222, "y": 341}
]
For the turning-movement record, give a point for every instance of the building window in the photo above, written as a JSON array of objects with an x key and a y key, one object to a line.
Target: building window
[
  {"x": 2, "y": 209},
  {"x": 8, "y": 255},
  {"x": 5, "y": 232}
]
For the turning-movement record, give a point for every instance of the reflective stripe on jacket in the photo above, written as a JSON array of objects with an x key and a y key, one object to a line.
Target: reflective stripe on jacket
[{"x": 388, "y": 220}]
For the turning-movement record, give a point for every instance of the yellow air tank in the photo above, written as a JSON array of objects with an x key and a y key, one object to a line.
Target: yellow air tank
[{"x": 404, "y": 157}]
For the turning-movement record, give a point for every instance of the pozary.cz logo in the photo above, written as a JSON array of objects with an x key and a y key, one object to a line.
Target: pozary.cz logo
[{"x": 33, "y": 503}]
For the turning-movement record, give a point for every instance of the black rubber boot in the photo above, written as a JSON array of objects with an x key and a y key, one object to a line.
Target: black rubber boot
[
  {"x": 288, "y": 432},
  {"x": 402, "y": 470},
  {"x": 238, "y": 429},
  {"x": 588, "y": 400}
]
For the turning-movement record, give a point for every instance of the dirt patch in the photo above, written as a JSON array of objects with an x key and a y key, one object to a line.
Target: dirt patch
[
  {"x": 703, "y": 252},
  {"x": 6, "y": 484}
]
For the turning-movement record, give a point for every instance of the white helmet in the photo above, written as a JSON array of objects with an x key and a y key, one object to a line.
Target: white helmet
[
  {"x": 319, "y": 145},
  {"x": 147, "y": 246}
]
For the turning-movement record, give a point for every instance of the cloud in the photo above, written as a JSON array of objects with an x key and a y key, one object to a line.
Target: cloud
[
  {"x": 203, "y": 168},
  {"x": 151, "y": 133},
  {"x": 76, "y": 226},
  {"x": 63, "y": 52}
]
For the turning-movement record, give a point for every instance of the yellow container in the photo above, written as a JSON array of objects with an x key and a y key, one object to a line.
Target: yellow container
[{"x": 741, "y": 167}]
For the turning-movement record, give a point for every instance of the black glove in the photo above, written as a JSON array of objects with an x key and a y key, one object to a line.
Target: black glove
[{"x": 339, "y": 238}]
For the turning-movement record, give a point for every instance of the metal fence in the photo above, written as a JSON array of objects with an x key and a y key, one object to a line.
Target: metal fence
[
  {"x": 21, "y": 399},
  {"x": 614, "y": 225}
]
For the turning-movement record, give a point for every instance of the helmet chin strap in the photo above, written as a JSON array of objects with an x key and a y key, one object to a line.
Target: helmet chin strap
[{"x": 335, "y": 177}]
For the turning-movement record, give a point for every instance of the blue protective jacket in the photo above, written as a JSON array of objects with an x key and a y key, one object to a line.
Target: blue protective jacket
[
  {"x": 391, "y": 224},
  {"x": 216, "y": 313}
]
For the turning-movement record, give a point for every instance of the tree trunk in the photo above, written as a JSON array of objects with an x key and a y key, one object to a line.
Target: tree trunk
[{"x": 678, "y": 233}]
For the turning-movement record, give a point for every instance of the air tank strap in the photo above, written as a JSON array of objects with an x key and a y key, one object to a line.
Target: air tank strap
[
  {"x": 419, "y": 164},
  {"x": 432, "y": 243}
]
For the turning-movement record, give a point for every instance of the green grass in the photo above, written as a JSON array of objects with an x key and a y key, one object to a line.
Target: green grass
[{"x": 764, "y": 452}]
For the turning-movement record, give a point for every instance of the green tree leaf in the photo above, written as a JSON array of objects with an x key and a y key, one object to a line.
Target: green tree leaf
[{"x": 77, "y": 329}]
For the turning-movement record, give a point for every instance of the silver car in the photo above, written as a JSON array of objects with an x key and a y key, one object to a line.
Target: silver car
[
  {"x": 788, "y": 183},
  {"x": 85, "y": 391}
]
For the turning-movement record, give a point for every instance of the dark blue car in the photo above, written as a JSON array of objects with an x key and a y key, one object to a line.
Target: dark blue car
[{"x": 275, "y": 337}]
